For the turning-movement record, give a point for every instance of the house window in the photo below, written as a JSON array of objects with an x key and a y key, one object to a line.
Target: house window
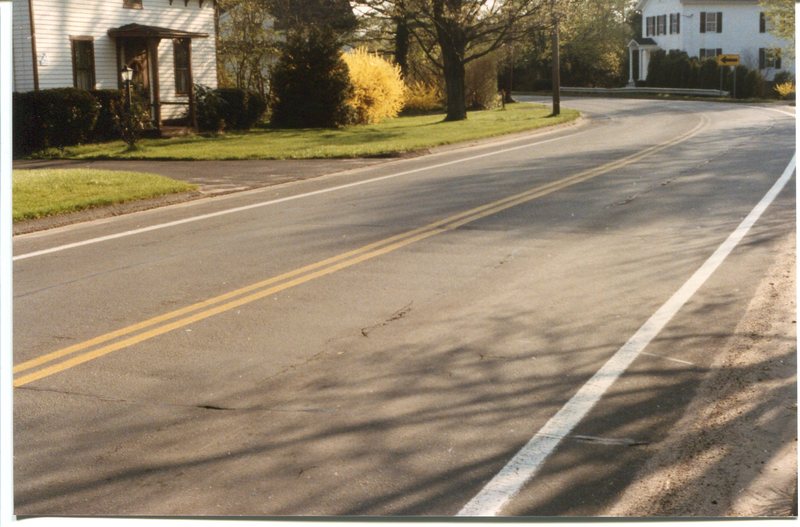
[
  {"x": 709, "y": 53},
  {"x": 661, "y": 27},
  {"x": 769, "y": 58},
  {"x": 651, "y": 26},
  {"x": 674, "y": 23},
  {"x": 711, "y": 22},
  {"x": 182, "y": 52},
  {"x": 764, "y": 23},
  {"x": 83, "y": 63},
  {"x": 132, "y": 4}
]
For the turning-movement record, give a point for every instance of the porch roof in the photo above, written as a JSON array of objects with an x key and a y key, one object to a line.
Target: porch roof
[
  {"x": 141, "y": 31},
  {"x": 642, "y": 43}
]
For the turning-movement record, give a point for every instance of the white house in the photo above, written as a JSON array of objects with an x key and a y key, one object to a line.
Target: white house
[
  {"x": 170, "y": 44},
  {"x": 707, "y": 28}
]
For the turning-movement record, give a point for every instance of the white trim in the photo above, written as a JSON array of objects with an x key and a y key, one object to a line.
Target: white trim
[{"x": 6, "y": 283}]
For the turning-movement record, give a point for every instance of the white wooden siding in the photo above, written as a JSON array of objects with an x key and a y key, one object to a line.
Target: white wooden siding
[
  {"x": 740, "y": 30},
  {"x": 57, "y": 20},
  {"x": 23, "y": 61}
]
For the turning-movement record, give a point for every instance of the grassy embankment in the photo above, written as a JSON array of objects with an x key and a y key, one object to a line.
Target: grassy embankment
[
  {"x": 394, "y": 136},
  {"x": 39, "y": 193}
]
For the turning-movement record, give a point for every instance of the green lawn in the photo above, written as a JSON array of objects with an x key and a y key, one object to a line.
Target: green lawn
[
  {"x": 402, "y": 134},
  {"x": 38, "y": 193}
]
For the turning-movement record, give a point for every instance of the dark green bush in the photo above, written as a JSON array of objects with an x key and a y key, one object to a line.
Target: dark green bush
[
  {"x": 106, "y": 128},
  {"x": 131, "y": 121},
  {"x": 782, "y": 77},
  {"x": 54, "y": 118},
  {"x": 235, "y": 107},
  {"x": 228, "y": 108},
  {"x": 25, "y": 138},
  {"x": 677, "y": 70},
  {"x": 66, "y": 116},
  {"x": 256, "y": 108},
  {"x": 243, "y": 109},
  {"x": 211, "y": 109},
  {"x": 310, "y": 82},
  {"x": 708, "y": 76}
]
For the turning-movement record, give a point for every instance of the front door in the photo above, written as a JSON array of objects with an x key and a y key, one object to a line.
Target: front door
[{"x": 136, "y": 57}]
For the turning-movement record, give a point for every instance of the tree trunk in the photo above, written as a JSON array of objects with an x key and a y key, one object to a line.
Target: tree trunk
[
  {"x": 453, "y": 44},
  {"x": 454, "y": 77},
  {"x": 401, "y": 43}
]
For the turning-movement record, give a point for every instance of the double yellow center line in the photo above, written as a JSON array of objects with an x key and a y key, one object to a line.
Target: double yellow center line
[{"x": 99, "y": 346}]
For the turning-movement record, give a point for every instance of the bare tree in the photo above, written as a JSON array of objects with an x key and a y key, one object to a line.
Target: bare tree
[
  {"x": 247, "y": 44},
  {"x": 453, "y": 33}
]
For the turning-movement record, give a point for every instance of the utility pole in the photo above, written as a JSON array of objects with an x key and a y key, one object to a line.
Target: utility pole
[{"x": 556, "y": 63}]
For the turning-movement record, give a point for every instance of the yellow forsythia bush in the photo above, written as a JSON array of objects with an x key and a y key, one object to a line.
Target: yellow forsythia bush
[
  {"x": 423, "y": 98},
  {"x": 785, "y": 90},
  {"x": 378, "y": 88}
]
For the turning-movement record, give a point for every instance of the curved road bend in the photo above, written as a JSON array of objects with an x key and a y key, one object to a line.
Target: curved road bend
[{"x": 383, "y": 342}]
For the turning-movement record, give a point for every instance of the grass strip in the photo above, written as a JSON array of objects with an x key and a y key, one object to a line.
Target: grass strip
[
  {"x": 392, "y": 137},
  {"x": 47, "y": 192}
]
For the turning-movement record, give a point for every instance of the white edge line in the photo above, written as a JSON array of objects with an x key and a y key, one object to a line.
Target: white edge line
[
  {"x": 282, "y": 200},
  {"x": 522, "y": 467}
]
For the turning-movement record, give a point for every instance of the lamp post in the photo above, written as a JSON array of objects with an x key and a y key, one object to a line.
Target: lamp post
[{"x": 127, "y": 76}]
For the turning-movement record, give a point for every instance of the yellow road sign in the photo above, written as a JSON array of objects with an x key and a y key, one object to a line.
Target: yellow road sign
[{"x": 728, "y": 60}]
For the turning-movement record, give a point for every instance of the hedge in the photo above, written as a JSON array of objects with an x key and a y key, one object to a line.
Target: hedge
[
  {"x": 228, "y": 108},
  {"x": 677, "y": 70},
  {"x": 57, "y": 117}
]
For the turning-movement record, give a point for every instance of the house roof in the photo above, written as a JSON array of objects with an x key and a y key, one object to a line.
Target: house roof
[
  {"x": 141, "y": 31},
  {"x": 640, "y": 4}
]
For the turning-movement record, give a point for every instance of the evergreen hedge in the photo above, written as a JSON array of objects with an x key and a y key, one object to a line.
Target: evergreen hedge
[
  {"x": 677, "y": 70},
  {"x": 56, "y": 117}
]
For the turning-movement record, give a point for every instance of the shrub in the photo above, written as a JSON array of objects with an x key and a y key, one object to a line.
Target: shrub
[
  {"x": 25, "y": 137},
  {"x": 782, "y": 77},
  {"x": 785, "y": 90},
  {"x": 423, "y": 98},
  {"x": 378, "y": 89},
  {"x": 310, "y": 82},
  {"x": 211, "y": 109},
  {"x": 106, "y": 127},
  {"x": 227, "y": 108},
  {"x": 130, "y": 122},
  {"x": 53, "y": 118},
  {"x": 67, "y": 115},
  {"x": 752, "y": 85},
  {"x": 256, "y": 108},
  {"x": 709, "y": 75},
  {"x": 480, "y": 83}
]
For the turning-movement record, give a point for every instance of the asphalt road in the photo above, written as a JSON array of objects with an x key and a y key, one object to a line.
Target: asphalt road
[{"x": 383, "y": 341}]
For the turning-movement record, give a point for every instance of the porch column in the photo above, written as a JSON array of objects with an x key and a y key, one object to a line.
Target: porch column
[
  {"x": 642, "y": 65},
  {"x": 631, "y": 82},
  {"x": 155, "y": 83}
]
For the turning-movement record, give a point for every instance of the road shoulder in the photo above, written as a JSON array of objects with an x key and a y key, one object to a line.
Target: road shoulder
[{"x": 734, "y": 452}]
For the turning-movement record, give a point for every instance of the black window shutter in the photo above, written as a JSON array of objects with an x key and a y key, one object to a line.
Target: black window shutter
[
  {"x": 762, "y": 58},
  {"x": 762, "y": 23},
  {"x": 671, "y": 18},
  {"x": 778, "y": 62},
  {"x": 702, "y": 22},
  {"x": 719, "y": 22},
  {"x": 677, "y": 22}
]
